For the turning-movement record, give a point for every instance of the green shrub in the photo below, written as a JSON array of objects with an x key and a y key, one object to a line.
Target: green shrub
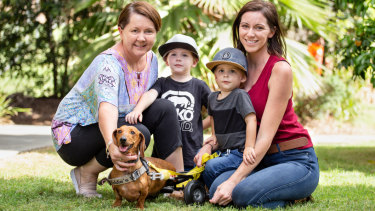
[
  {"x": 7, "y": 110},
  {"x": 337, "y": 101}
]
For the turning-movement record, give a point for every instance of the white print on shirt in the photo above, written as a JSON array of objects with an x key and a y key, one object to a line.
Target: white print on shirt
[{"x": 184, "y": 103}]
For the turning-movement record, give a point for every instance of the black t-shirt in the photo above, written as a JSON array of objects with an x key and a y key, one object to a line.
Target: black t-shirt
[{"x": 188, "y": 98}]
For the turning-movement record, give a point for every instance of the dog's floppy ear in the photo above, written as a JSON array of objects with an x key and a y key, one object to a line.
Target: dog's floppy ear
[
  {"x": 142, "y": 145},
  {"x": 114, "y": 134}
]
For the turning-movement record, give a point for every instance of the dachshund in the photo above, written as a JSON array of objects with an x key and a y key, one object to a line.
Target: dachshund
[{"x": 138, "y": 184}]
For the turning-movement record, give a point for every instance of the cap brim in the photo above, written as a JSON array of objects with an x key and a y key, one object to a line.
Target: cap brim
[
  {"x": 213, "y": 64},
  {"x": 164, "y": 49}
]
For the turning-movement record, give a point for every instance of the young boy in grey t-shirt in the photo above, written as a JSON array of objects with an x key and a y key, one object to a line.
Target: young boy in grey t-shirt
[{"x": 233, "y": 120}]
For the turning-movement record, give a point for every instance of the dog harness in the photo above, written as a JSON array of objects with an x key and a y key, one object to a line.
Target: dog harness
[{"x": 160, "y": 174}]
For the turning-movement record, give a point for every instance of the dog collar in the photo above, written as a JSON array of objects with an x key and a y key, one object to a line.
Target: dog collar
[{"x": 126, "y": 178}]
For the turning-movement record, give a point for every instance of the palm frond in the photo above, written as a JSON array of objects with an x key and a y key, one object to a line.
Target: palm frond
[
  {"x": 86, "y": 55},
  {"x": 311, "y": 14},
  {"x": 79, "y": 5},
  {"x": 306, "y": 81},
  {"x": 219, "y": 8}
]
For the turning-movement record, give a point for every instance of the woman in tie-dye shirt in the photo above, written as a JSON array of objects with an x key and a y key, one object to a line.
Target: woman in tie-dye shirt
[{"x": 109, "y": 89}]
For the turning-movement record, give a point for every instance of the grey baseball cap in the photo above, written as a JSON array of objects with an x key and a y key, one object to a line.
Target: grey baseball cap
[
  {"x": 231, "y": 56},
  {"x": 179, "y": 41}
]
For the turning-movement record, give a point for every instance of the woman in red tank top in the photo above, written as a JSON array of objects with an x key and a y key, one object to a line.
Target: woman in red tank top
[{"x": 286, "y": 167}]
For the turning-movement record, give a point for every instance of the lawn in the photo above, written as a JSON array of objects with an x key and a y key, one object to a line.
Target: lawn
[{"x": 39, "y": 180}]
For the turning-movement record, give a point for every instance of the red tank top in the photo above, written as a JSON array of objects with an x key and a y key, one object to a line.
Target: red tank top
[{"x": 289, "y": 127}]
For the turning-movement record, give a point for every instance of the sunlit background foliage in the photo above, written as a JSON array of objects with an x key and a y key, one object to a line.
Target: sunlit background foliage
[{"x": 45, "y": 45}]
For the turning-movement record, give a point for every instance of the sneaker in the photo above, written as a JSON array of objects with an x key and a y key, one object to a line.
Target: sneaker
[
  {"x": 177, "y": 194},
  {"x": 87, "y": 190}
]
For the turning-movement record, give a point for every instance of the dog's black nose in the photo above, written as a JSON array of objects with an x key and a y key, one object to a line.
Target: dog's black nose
[{"x": 122, "y": 140}]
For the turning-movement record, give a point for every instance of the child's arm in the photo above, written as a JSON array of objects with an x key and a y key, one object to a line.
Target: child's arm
[
  {"x": 212, "y": 138},
  {"x": 251, "y": 129},
  {"x": 209, "y": 145},
  {"x": 146, "y": 100},
  {"x": 206, "y": 122}
]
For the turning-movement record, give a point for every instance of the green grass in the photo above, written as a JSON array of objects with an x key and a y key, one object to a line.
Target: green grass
[{"x": 39, "y": 180}]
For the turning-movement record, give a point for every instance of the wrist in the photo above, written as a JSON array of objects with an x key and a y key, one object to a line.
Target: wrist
[
  {"x": 211, "y": 146},
  {"x": 107, "y": 147}
]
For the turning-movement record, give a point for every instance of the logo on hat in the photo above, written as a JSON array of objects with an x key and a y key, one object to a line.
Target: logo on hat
[{"x": 226, "y": 55}]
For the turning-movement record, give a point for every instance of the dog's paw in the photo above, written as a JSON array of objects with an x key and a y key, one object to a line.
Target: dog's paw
[{"x": 117, "y": 203}]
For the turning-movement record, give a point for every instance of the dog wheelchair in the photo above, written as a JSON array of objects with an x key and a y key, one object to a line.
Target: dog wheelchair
[{"x": 190, "y": 182}]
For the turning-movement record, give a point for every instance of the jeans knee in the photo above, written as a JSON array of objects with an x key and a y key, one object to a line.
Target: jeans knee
[
  {"x": 210, "y": 167},
  {"x": 207, "y": 174},
  {"x": 242, "y": 198}
]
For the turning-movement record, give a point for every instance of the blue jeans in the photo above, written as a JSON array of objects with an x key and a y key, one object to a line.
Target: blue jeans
[
  {"x": 279, "y": 178},
  {"x": 227, "y": 161}
]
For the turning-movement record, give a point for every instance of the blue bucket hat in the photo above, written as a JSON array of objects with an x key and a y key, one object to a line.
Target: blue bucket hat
[{"x": 231, "y": 56}]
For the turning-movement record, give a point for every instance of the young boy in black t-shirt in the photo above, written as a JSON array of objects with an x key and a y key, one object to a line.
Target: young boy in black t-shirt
[{"x": 187, "y": 93}]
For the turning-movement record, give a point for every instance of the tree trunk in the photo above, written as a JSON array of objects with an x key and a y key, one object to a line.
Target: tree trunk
[
  {"x": 51, "y": 56},
  {"x": 66, "y": 45}
]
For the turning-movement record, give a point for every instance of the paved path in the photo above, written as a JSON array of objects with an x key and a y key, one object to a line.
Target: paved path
[{"x": 19, "y": 138}]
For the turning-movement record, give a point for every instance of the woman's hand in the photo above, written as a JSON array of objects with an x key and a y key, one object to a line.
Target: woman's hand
[
  {"x": 134, "y": 116},
  {"x": 223, "y": 193},
  {"x": 198, "y": 157},
  {"x": 249, "y": 155},
  {"x": 120, "y": 160}
]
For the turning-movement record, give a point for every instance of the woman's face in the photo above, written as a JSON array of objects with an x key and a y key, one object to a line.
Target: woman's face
[
  {"x": 254, "y": 32},
  {"x": 138, "y": 36}
]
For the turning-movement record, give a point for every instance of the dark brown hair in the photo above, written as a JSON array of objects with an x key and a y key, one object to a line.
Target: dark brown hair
[
  {"x": 142, "y": 8},
  {"x": 276, "y": 44}
]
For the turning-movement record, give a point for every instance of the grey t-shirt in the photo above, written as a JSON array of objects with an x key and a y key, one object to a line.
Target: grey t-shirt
[{"x": 229, "y": 118}]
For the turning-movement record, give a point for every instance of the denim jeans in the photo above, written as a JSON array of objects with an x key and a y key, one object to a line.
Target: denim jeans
[
  {"x": 229, "y": 160},
  {"x": 279, "y": 178}
]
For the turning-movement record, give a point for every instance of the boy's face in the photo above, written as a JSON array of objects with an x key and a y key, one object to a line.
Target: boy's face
[
  {"x": 181, "y": 61},
  {"x": 229, "y": 77}
]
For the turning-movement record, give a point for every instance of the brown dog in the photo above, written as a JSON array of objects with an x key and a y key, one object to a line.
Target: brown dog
[{"x": 132, "y": 142}]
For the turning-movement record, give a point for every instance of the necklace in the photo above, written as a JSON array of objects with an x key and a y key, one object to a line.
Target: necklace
[
  {"x": 138, "y": 77},
  {"x": 136, "y": 82}
]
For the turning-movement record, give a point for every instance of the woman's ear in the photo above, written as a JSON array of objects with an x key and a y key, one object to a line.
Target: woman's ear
[
  {"x": 120, "y": 30},
  {"x": 273, "y": 31}
]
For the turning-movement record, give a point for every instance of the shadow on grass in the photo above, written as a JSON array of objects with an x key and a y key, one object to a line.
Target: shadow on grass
[
  {"x": 349, "y": 158},
  {"x": 28, "y": 193},
  {"x": 43, "y": 150}
]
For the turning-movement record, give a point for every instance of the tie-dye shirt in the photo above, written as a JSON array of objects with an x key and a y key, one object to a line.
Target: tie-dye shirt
[{"x": 107, "y": 79}]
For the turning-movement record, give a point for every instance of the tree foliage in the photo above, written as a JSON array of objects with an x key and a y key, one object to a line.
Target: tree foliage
[
  {"x": 74, "y": 32},
  {"x": 49, "y": 35},
  {"x": 356, "y": 46}
]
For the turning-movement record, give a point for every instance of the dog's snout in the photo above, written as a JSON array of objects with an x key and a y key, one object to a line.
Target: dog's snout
[{"x": 123, "y": 140}]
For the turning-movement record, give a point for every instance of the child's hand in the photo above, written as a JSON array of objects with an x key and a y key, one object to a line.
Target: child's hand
[
  {"x": 133, "y": 117},
  {"x": 210, "y": 140},
  {"x": 249, "y": 155}
]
